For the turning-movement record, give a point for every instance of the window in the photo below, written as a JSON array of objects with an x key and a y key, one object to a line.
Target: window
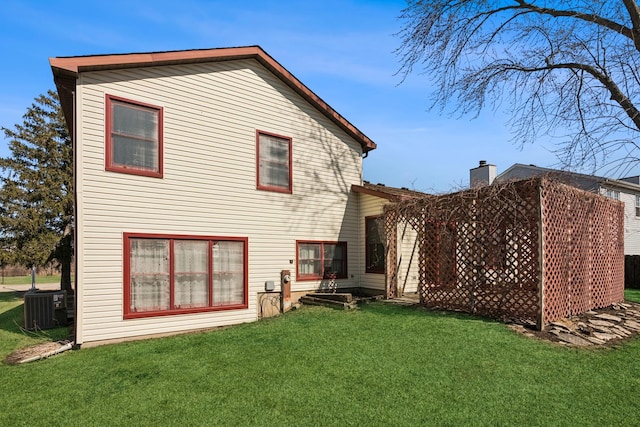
[
  {"x": 322, "y": 260},
  {"x": 274, "y": 162},
  {"x": 374, "y": 232},
  {"x": 612, "y": 194},
  {"x": 637, "y": 205},
  {"x": 175, "y": 275},
  {"x": 133, "y": 137}
]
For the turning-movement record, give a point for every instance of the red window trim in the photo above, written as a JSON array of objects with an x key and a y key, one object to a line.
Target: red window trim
[
  {"x": 366, "y": 243},
  {"x": 108, "y": 143},
  {"x": 260, "y": 186},
  {"x": 304, "y": 277},
  {"x": 173, "y": 237}
]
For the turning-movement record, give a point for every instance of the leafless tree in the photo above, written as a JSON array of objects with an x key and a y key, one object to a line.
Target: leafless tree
[{"x": 561, "y": 68}]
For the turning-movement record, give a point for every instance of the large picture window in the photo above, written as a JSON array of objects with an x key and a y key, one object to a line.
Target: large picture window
[
  {"x": 274, "y": 162},
  {"x": 133, "y": 137},
  {"x": 374, "y": 256},
  {"x": 321, "y": 260},
  {"x": 183, "y": 274}
]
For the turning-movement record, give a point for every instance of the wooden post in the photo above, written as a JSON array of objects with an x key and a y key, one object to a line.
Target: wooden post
[
  {"x": 391, "y": 251},
  {"x": 285, "y": 286},
  {"x": 540, "y": 319}
]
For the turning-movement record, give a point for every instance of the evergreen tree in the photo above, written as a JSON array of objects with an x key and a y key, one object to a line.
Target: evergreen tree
[
  {"x": 6, "y": 257},
  {"x": 36, "y": 197}
]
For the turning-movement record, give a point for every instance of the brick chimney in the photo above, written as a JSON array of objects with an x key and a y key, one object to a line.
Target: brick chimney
[{"x": 483, "y": 175}]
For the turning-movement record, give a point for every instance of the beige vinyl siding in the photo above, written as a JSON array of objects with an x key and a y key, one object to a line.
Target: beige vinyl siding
[
  {"x": 370, "y": 206},
  {"x": 211, "y": 113},
  {"x": 407, "y": 261}
]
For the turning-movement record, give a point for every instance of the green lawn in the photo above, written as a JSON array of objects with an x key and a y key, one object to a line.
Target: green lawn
[
  {"x": 26, "y": 280},
  {"x": 12, "y": 336},
  {"x": 379, "y": 365},
  {"x": 632, "y": 295}
]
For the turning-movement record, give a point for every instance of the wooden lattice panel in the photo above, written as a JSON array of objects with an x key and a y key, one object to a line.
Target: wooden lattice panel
[
  {"x": 479, "y": 250},
  {"x": 583, "y": 251},
  {"x": 391, "y": 277}
]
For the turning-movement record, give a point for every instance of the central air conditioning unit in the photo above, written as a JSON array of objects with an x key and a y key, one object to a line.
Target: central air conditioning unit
[{"x": 45, "y": 309}]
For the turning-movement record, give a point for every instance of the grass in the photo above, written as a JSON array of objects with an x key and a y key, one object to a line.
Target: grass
[
  {"x": 632, "y": 295},
  {"x": 26, "y": 280},
  {"x": 12, "y": 335},
  {"x": 379, "y": 365}
]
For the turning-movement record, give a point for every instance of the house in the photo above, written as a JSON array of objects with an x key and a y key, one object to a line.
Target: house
[
  {"x": 626, "y": 190},
  {"x": 206, "y": 182},
  {"x": 372, "y": 199}
]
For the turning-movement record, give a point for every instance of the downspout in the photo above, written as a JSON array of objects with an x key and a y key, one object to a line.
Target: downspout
[
  {"x": 59, "y": 350},
  {"x": 74, "y": 139}
]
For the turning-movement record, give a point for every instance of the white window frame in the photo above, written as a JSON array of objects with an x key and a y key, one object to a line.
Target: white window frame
[{"x": 612, "y": 194}]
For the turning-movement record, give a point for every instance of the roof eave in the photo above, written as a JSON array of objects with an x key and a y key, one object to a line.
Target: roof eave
[
  {"x": 70, "y": 67},
  {"x": 371, "y": 192},
  {"x": 621, "y": 184},
  {"x": 66, "y": 85}
]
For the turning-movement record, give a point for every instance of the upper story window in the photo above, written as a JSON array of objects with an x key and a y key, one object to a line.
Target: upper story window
[
  {"x": 133, "y": 137},
  {"x": 637, "y": 205},
  {"x": 374, "y": 235},
  {"x": 612, "y": 194},
  {"x": 274, "y": 162},
  {"x": 322, "y": 260}
]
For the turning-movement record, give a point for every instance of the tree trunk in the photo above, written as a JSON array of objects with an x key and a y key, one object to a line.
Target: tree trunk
[{"x": 66, "y": 254}]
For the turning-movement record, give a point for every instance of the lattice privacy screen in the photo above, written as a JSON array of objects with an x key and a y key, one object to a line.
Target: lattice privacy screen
[{"x": 533, "y": 250}]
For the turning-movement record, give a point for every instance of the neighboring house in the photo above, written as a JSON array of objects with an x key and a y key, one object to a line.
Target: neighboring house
[
  {"x": 203, "y": 178},
  {"x": 626, "y": 190}
]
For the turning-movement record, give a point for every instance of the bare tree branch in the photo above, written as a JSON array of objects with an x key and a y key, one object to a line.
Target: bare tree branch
[
  {"x": 588, "y": 17},
  {"x": 562, "y": 68},
  {"x": 616, "y": 94}
]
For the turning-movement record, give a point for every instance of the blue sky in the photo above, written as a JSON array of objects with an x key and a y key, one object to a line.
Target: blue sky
[{"x": 342, "y": 50}]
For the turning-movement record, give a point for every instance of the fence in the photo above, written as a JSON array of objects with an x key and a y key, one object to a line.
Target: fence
[{"x": 533, "y": 250}]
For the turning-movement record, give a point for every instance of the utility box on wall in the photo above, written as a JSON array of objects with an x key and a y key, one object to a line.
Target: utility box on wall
[{"x": 45, "y": 309}]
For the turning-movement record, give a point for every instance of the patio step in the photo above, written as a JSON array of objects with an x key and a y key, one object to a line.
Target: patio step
[{"x": 340, "y": 301}]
